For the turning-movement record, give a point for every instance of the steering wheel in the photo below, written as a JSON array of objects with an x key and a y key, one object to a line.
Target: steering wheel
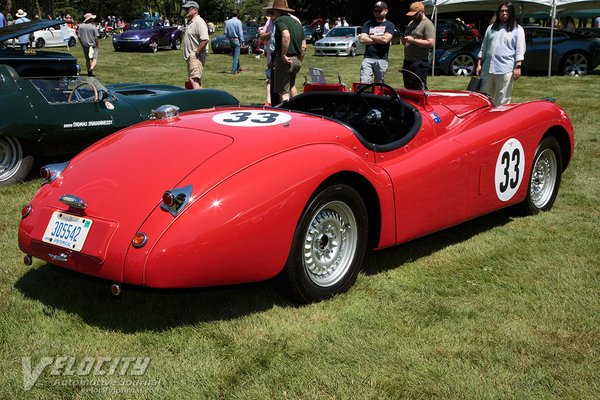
[
  {"x": 382, "y": 118},
  {"x": 84, "y": 83}
]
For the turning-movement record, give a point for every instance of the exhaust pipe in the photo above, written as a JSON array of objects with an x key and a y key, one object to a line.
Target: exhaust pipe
[
  {"x": 115, "y": 289},
  {"x": 27, "y": 260}
]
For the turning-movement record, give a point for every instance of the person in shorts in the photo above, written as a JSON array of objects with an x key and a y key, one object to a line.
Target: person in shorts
[
  {"x": 195, "y": 41},
  {"x": 88, "y": 37}
]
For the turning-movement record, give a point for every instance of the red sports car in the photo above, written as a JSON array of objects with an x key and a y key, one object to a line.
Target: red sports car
[{"x": 297, "y": 192}]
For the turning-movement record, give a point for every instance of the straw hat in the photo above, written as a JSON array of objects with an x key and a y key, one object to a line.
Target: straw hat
[
  {"x": 20, "y": 13},
  {"x": 88, "y": 16}
]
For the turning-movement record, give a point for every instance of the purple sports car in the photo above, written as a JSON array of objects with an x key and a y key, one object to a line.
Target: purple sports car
[{"x": 150, "y": 35}]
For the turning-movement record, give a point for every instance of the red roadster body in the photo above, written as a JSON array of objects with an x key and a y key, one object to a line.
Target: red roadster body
[{"x": 297, "y": 192}]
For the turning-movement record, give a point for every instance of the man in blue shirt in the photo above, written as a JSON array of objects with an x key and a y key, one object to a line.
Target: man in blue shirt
[
  {"x": 2, "y": 20},
  {"x": 23, "y": 39},
  {"x": 235, "y": 34}
]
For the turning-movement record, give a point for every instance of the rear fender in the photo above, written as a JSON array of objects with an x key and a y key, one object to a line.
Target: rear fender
[{"x": 241, "y": 230}]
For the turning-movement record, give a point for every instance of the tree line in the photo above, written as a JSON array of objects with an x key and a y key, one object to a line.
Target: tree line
[{"x": 355, "y": 11}]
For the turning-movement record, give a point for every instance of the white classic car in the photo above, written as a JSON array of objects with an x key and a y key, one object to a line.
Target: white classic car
[
  {"x": 340, "y": 41},
  {"x": 54, "y": 37}
]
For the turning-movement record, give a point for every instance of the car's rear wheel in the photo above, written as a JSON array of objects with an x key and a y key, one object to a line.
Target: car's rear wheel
[
  {"x": 545, "y": 177},
  {"x": 40, "y": 43},
  {"x": 462, "y": 65},
  {"x": 177, "y": 44},
  {"x": 328, "y": 247},
  {"x": 153, "y": 45},
  {"x": 16, "y": 160},
  {"x": 249, "y": 49},
  {"x": 575, "y": 64}
]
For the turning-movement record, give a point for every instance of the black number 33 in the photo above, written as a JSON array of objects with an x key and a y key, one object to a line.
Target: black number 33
[
  {"x": 243, "y": 116},
  {"x": 511, "y": 163}
]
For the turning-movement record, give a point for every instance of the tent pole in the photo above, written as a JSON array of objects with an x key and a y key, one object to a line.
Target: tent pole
[
  {"x": 552, "y": 18},
  {"x": 435, "y": 40}
]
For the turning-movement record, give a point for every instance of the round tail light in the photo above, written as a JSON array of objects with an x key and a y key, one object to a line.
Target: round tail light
[{"x": 168, "y": 199}]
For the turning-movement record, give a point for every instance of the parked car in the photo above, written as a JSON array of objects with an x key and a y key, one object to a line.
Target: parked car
[
  {"x": 453, "y": 31},
  {"x": 53, "y": 37},
  {"x": 340, "y": 41},
  {"x": 202, "y": 200},
  {"x": 151, "y": 35},
  {"x": 572, "y": 54},
  {"x": 309, "y": 34},
  {"x": 62, "y": 115},
  {"x": 220, "y": 44},
  {"x": 32, "y": 62}
]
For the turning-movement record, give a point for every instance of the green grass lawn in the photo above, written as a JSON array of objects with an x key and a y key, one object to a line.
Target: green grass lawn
[{"x": 499, "y": 307}]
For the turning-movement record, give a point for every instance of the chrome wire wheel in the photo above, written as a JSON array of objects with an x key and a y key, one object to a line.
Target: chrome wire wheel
[
  {"x": 11, "y": 157},
  {"x": 462, "y": 65},
  {"x": 330, "y": 244},
  {"x": 543, "y": 179}
]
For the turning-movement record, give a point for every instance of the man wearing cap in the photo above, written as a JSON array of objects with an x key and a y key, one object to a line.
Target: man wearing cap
[
  {"x": 376, "y": 35},
  {"x": 23, "y": 39},
  {"x": 290, "y": 46},
  {"x": 88, "y": 37},
  {"x": 419, "y": 38},
  {"x": 195, "y": 43}
]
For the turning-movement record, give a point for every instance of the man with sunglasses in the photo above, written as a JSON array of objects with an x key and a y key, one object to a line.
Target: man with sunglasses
[
  {"x": 419, "y": 38},
  {"x": 376, "y": 35}
]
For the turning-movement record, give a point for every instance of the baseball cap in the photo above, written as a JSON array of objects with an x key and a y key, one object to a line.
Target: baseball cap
[
  {"x": 415, "y": 8},
  {"x": 380, "y": 4},
  {"x": 190, "y": 4}
]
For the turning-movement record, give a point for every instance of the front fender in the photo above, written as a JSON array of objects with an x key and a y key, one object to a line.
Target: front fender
[{"x": 241, "y": 230}]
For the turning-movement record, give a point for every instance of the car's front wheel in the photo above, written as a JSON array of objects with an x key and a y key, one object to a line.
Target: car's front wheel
[
  {"x": 153, "y": 45},
  {"x": 177, "y": 44},
  {"x": 328, "y": 247},
  {"x": 462, "y": 65},
  {"x": 40, "y": 43},
  {"x": 545, "y": 177},
  {"x": 575, "y": 64},
  {"x": 16, "y": 160},
  {"x": 353, "y": 51},
  {"x": 72, "y": 41}
]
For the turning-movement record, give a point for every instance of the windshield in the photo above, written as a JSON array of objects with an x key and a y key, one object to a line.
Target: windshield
[
  {"x": 68, "y": 89},
  {"x": 341, "y": 32},
  {"x": 140, "y": 25}
]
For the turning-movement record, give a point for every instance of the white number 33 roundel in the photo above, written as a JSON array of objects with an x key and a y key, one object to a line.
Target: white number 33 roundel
[{"x": 510, "y": 167}]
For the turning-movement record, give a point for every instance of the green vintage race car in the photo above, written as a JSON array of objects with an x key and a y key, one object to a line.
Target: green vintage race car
[{"x": 57, "y": 116}]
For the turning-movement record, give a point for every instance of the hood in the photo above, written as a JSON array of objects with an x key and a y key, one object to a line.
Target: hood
[
  {"x": 136, "y": 34},
  {"x": 460, "y": 102},
  {"x": 15, "y": 30},
  {"x": 336, "y": 39}
]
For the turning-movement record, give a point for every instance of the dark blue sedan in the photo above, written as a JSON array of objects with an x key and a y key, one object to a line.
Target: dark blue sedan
[
  {"x": 572, "y": 54},
  {"x": 148, "y": 35}
]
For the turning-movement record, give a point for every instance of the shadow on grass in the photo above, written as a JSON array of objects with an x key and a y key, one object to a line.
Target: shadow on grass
[{"x": 141, "y": 309}]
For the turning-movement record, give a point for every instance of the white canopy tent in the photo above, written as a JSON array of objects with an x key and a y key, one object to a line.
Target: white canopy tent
[{"x": 553, "y": 7}]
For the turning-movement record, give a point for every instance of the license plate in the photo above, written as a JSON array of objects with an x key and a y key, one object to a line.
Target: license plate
[{"x": 67, "y": 231}]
